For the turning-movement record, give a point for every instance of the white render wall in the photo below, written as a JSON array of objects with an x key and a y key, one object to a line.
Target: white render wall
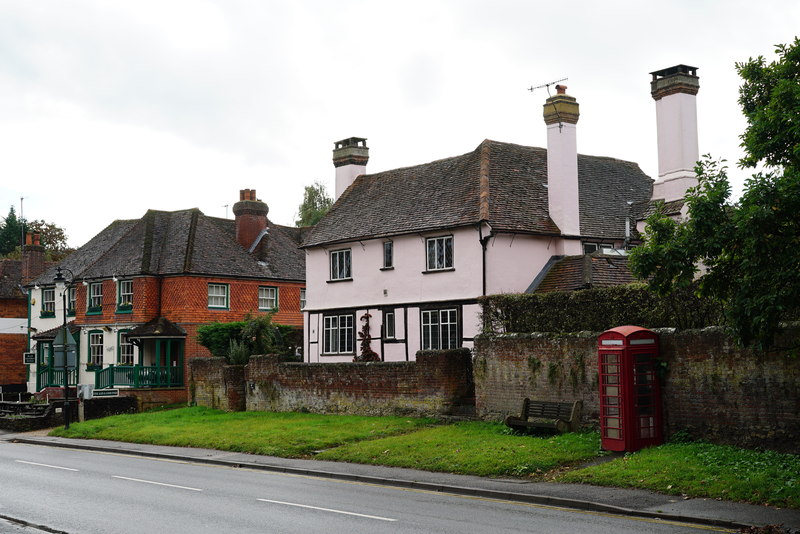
[
  {"x": 678, "y": 148},
  {"x": 562, "y": 177},
  {"x": 405, "y": 283},
  {"x": 512, "y": 262}
]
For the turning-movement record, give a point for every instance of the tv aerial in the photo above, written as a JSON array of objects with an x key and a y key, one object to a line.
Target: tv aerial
[{"x": 547, "y": 86}]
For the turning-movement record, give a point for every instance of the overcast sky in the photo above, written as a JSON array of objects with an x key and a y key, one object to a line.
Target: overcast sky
[{"x": 110, "y": 108}]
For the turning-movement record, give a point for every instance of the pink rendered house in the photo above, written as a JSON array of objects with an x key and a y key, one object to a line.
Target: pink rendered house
[{"x": 410, "y": 250}]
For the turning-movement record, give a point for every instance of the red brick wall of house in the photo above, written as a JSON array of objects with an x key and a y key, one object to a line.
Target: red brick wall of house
[
  {"x": 713, "y": 388},
  {"x": 12, "y": 370},
  {"x": 145, "y": 302},
  {"x": 14, "y": 308},
  {"x": 184, "y": 300}
]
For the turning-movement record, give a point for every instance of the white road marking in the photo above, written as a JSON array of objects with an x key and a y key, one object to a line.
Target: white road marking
[
  {"x": 46, "y": 465},
  {"x": 329, "y": 510},
  {"x": 156, "y": 483}
]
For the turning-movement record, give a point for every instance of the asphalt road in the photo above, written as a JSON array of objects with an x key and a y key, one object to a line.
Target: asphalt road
[{"x": 86, "y": 492}]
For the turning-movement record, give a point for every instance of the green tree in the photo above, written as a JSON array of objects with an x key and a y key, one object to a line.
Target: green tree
[
  {"x": 10, "y": 232},
  {"x": 316, "y": 203},
  {"x": 745, "y": 254},
  {"x": 52, "y": 237}
]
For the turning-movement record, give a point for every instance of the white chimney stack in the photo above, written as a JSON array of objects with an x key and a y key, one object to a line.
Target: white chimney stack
[
  {"x": 350, "y": 157},
  {"x": 561, "y": 113},
  {"x": 674, "y": 91}
]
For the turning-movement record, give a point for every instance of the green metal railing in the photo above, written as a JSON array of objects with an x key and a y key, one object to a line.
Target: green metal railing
[
  {"x": 138, "y": 376},
  {"x": 54, "y": 377}
]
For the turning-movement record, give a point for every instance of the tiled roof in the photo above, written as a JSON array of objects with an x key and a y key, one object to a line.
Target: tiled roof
[
  {"x": 671, "y": 208},
  {"x": 50, "y": 335},
  {"x": 502, "y": 183},
  {"x": 158, "y": 327},
  {"x": 572, "y": 273},
  {"x": 10, "y": 279},
  {"x": 183, "y": 242}
]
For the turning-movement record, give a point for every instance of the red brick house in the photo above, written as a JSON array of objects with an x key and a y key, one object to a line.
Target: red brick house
[{"x": 140, "y": 288}]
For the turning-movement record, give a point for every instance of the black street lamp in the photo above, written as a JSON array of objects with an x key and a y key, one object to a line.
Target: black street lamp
[{"x": 64, "y": 346}]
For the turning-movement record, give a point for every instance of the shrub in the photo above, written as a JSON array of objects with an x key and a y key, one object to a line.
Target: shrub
[
  {"x": 255, "y": 335},
  {"x": 597, "y": 310}
]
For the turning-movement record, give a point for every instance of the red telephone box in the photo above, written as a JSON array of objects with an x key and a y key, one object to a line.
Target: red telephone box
[{"x": 630, "y": 397}]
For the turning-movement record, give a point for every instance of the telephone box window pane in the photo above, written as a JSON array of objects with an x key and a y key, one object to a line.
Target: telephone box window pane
[
  {"x": 612, "y": 433},
  {"x": 611, "y": 391},
  {"x": 610, "y": 358}
]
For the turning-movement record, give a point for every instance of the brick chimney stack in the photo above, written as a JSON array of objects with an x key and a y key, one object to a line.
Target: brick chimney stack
[
  {"x": 251, "y": 218},
  {"x": 561, "y": 113},
  {"x": 674, "y": 90},
  {"x": 32, "y": 258},
  {"x": 350, "y": 157}
]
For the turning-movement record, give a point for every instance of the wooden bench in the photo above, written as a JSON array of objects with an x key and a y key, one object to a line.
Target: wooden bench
[{"x": 560, "y": 416}]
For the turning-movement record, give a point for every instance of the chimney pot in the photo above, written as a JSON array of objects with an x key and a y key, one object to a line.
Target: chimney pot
[
  {"x": 350, "y": 157},
  {"x": 561, "y": 113},
  {"x": 674, "y": 91},
  {"x": 251, "y": 218}
]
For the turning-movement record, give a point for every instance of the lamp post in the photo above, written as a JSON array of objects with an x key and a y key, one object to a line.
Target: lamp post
[{"x": 64, "y": 347}]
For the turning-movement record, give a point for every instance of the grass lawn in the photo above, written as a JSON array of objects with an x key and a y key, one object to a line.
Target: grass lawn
[
  {"x": 473, "y": 448},
  {"x": 703, "y": 470},
  {"x": 274, "y": 434}
]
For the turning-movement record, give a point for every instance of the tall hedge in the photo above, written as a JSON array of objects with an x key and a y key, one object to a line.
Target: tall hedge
[{"x": 597, "y": 310}]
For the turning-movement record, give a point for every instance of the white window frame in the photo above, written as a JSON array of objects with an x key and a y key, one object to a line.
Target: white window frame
[
  {"x": 49, "y": 304},
  {"x": 95, "y": 300},
  {"x": 95, "y": 349},
  {"x": 121, "y": 291},
  {"x": 388, "y": 255},
  {"x": 341, "y": 267},
  {"x": 71, "y": 300},
  {"x": 302, "y": 298},
  {"x": 126, "y": 349},
  {"x": 267, "y": 298},
  {"x": 439, "y": 329},
  {"x": 215, "y": 293},
  {"x": 338, "y": 334},
  {"x": 439, "y": 253},
  {"x": 389, "y": 325}
]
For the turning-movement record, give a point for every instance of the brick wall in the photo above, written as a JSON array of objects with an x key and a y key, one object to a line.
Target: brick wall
[
  {"x": 712, "y": 388},
  {"x": 155, "y": 397},
  {"x": 12, "y": 370},
  {"x": 216, "y": 385},
  {"x": 17, "y": 308},
  {"x": 185, "y": 300},
  {"x": 438, "y": 383}
]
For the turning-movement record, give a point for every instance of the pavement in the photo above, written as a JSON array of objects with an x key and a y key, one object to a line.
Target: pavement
[{"x": 622, "y": 501}]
